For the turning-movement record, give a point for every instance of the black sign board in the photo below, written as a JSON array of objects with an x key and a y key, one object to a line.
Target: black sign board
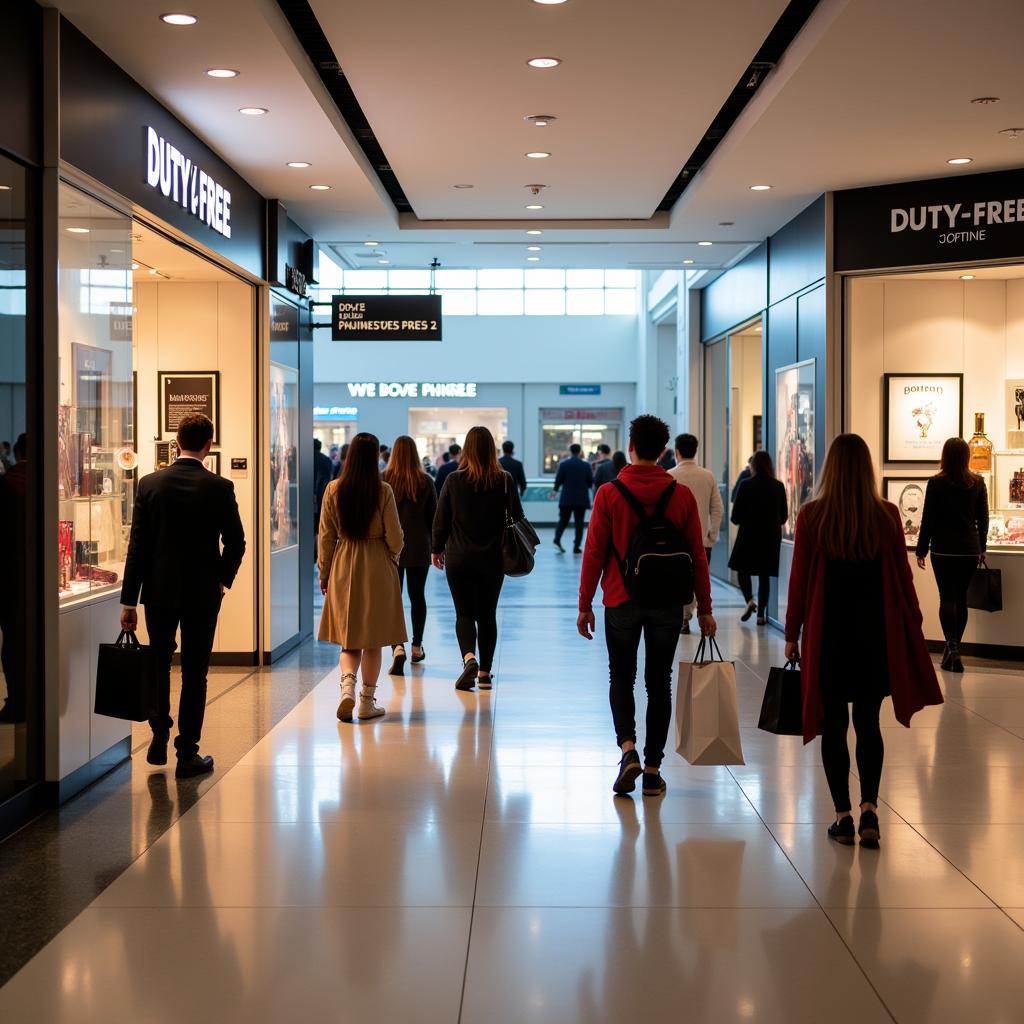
[
  {"x": 284, "y": 322},
  {"x": 921, "y": 223},
  {"x": 182, "y": 392},
  {"x": 386, "y": 318}
]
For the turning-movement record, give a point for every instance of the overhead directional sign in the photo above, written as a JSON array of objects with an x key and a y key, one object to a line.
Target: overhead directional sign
[{"x": 386, "y": 318}]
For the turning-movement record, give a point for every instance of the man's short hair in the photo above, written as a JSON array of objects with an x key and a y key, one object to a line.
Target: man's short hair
[
  {"x": 687, "y": 445},
  {"x": 194, "y": 430},
  {"x": 508, "y": 447},
  {"x": 454, "y": 449},
  {"x": 649, "y": 436},
  {"x": 574, "y": 449},
  {"x": 604, "y": 449},
  {"x": 317, "y": 444}
]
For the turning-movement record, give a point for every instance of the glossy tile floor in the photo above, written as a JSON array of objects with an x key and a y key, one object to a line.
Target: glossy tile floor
[{"x": 463, "y": 860}]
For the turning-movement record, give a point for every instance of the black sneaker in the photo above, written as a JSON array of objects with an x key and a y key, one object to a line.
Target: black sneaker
[
  {"x": 842, "y": 831},
  {"x": 398, "y": 664},
  {"x": 629, "y": 769},
  {"x": 868, "y": 829},
  {"x": 654, "y": 784},
  {"x": 467, "y": 680}
]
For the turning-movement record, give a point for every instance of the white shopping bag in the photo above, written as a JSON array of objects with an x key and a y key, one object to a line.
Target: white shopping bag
[{"x": 707, "y": 715}]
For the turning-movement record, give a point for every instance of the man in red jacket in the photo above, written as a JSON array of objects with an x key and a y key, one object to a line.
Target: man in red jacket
[{"x": 612, "y": 523}]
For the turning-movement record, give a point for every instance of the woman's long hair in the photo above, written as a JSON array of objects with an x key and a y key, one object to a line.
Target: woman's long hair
[
  {"x": 404, "y": 471},
  {"x": 848, "y": 513},
  {"x": 619, "y": 461},
  {"x": 479, "y": 459},
  {"x": 359, "y": 486},
  {"x": 956, "y": 463},
  {"x": 761, "y": 464}
]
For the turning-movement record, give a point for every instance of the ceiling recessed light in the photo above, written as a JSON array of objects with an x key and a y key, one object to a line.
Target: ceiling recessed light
[
  {"x": 960, "y": 160},
  {"x": 320, "y": 188},
  {"x": 533, "y": 248},
  {"x": 179, "y": 19},
  {"x": 117, "y": 250},
  {"x": 538, "y": 155},
  {"x": 252, "y": 111},
  {"x": 535, "y": 231},
  {"x": 549, "y": 3},
  {"x": 966, "y": 277},
  {"x": 688, "y": 261},
  {"x": 371, "y": 244},
  {"x": 535, "y": 206},
  {"x": 152, "y": 270},
  {"x": 540, "y": 120},
  {"x": 759, "y": 188},
  {"x": 1012, "y": 133},
  {"x": 705, "y": 243},
  {"x": 135, "y": 266},
  {"x": 463, "y": 185},
  {"x": 79, "y": 231},
  {"x": 544, "y": 62},
  {"x": 222, "y": 73},
  {"x": 383, "y": 261},
  {"x": 298, "y": 163},
  {"x": 532, "y": 259},
  {"x": 985, "y": 100}
]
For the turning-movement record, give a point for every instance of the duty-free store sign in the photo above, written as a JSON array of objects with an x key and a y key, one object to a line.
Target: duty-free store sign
[
  {"x": 921, "y": 223},
  {"x": 180, "y": 179}
]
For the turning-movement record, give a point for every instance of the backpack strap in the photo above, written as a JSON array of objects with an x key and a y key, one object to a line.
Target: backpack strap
[
  {"x": 663, "y": 501},
  {"x": 631, "y": 499}
]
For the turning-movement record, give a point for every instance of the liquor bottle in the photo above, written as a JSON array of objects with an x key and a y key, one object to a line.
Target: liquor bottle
[{"x": 980, "y": 446}]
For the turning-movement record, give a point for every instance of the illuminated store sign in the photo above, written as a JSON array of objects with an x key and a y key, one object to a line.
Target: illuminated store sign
[
  {"x": 181, "y": 180},
  {"x": 386, "y": 389},
  {"x": 386, "y": 318},
  {"x": 338, "y": 413}
]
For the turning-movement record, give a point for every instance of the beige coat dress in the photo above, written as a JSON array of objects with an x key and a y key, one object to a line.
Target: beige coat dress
[{"x": 363, "y": 601}]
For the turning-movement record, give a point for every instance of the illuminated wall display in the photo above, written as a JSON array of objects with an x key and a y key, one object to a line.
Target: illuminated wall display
[
  {"x": 339, "y": 413},
  {"x": 386, "y": 389}
]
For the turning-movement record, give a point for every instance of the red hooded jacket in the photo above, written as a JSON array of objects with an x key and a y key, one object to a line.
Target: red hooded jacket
[{"x": 612, "y": 521}]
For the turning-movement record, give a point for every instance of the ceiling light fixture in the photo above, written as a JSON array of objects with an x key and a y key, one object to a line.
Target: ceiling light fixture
[
  {"x": 298, "y": 163},
  {"x": 1012, "y": 133},
  {"x": 371, "y": 244},
  {"x": 320, "y": 188},
  {"x": 705, "y": 243},
  {"x": 383, "y": 261},
  {"x": 960, "y": 160},
  {"x": 79, "y": 231},
  {"x": 688, "y": 261},
  {"x": 533, "y": 248},
  {"x": 726, "y": 223},
  {"x": 535, "y": 231},
  {"x": 222, "y": 73},
  {"x": 759, "y": 188},
  {"x": 135, "y": 266},
  {"x": 179, "y": 19},
  {"x": 550, "y": 3},
  {"x": 544, "y": 62},
  {"x": 540, "y": 120},
  {"x": 538, "y": 155},
  {"x": 966, "y": 277},
  {"x": 532, "y": 259},
  {"x": 152, "y": 270},
  {"x": 5, "y": 188},
  {"x": 984, "y": 101},
  {"x": 462, "y": 186},
  {"x": 252, "y": 111},
  {"x": 535, "y": 206}
]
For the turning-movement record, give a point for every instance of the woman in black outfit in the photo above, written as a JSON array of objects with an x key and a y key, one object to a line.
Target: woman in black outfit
[
  {"x": 759, "y": 510},
  {"x": 468, "y": 530},
  {"x": 417, "y": 502},
  {"x": 954, "y": 526}
]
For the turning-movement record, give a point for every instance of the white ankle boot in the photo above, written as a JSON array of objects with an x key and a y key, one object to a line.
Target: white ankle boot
[
  {"x": 368, "y": 707},
  {"x": 348, "y": 697}
]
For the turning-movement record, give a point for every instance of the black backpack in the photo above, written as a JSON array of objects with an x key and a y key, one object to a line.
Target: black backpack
[{"x": 657, "y": 568}]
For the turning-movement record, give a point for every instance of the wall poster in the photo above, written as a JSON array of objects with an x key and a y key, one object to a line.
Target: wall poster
[
  {"x": 794, "y": 436},
  {"x": 907, "y": 494},
  {"x": 1015, "y": 414},
  {"x": 922, "y": 411},
  {"x": 180, "y": 392},
  {"x": 284, "y": 431}
]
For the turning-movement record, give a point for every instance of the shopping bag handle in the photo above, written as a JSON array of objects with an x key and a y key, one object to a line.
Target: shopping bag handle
[
  {"x": 791, "y": 666},
  {"x": 127, "y": 639},
  {"x": 707, "y": 649}
]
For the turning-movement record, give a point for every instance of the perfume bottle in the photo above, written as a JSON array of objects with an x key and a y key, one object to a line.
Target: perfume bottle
[{"x": 980, "y": 447}]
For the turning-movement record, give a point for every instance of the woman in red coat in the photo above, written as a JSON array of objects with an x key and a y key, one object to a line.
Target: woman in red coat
[{"x": 850, "y": 570}]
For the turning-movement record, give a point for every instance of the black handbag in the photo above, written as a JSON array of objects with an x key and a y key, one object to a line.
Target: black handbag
[
  {"x": 518, "y": 542},
  {"x": 985, "y": 591},
  {"x": 782, "y": 710},
  {"x": 127, "y": 680}
]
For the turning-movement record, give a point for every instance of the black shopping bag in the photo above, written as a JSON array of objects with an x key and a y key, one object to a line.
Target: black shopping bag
[
  {"x": 782, "y": 710},
  {"x": 985, "y": 591},
  {"x": 126, "y": 680}
]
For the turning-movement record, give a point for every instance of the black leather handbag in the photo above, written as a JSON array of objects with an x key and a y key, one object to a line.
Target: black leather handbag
[
  {"x": 985, "y": 591},
  {"x": 126, "y": 680},
  {"x": 782, "y": 710},
  {"x": 518, "y": 542}
]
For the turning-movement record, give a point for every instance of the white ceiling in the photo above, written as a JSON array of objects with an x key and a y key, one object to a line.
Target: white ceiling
[{"x": 871, "y": 91}]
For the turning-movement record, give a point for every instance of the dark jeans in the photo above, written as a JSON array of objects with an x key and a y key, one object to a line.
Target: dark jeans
[
  {"x": 764, "y": 589},
  {"x": 415, "y": 580},
  {"x": 475, "y": 593},
  {"x": 623, "y": 627},
  {"x": 835, "y": 754},
  {"x": 953, "y": 575},
  {"x": 578, "y": 514},
  {"x": 198, "y": 625}
]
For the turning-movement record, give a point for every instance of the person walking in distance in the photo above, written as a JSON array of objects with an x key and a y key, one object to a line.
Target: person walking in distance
[
  {"x": 448, "y": 467},
  {"x": 704, "y": 488},
  {"x": 417, "y": 503},
  {"x": 513, "y": 466},
  {"x": 468, "y": 530},
  {"x": 954, "y": 528},
  {"x": 759, "y": 511},
  {"x": 360, "y": 543},
  {"x": 184, "y": 551},
  {"x": 574, "y": 479},
  {"x": 643, "y": 493},
  {"x": 850, "y": 566},
  {"x": 604, "y": 469},
  {"x": 323, "y": 470}
]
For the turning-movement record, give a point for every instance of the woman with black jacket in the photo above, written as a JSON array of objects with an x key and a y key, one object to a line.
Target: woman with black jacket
[
  {"x": 759, "y": 510},
  {"x": 468, "y": 530},
  {"x": 954, "y": 527},
  {"x": 417, "y": 502}
]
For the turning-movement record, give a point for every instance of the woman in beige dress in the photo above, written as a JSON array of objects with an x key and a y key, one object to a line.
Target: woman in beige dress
[{"x": 358, "y": 548}]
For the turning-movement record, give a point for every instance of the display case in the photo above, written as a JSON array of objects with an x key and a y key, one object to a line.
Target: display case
[
  {"x": 1006, "y": 501},
  {"x": 96, "y": 446}
]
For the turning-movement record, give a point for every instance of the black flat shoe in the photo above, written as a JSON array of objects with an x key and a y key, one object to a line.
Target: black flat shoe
[
  {"x": 762, "y": 621},
  {"x": 193, "y": 766},
  {"x": 630, "y": 769},
  {"x": 157, "y": 753},
  {"x": 654, "y": 784},
  {"x": 947, "y": 660},
  {"x": 577, "y": 551},
  {"x": 422, "y": 656},
  {"x": 955, "y": 664},
  {"x": 397, "y": 665},
  {"x": 467, "y": 680},
  {"x": 558, "y": 544},
  {"x": 485, "y": 681},
  {"x": 751, "y": 608},
  {"x": 686, "y": 627},
  {"x": 842, "y": 831},
  {"x": 868, "y": 830}
]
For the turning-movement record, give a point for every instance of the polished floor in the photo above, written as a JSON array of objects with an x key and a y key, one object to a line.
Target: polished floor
[{"x": 463, "y": 860}]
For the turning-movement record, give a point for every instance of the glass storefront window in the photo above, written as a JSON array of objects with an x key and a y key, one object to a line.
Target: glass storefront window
[
  {"x": 561, "y": 428},
  {"x": 434, "y": 429}
]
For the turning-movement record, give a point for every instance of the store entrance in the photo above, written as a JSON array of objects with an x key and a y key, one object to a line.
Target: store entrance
[{"x": 435, "y": 428}]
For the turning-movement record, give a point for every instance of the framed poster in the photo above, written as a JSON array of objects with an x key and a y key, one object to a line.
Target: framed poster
[
  {"x": 794, "y": 437},
  {"x": 180, "y": 392},
  {"x": 284, "y": 430},
  {"x": 757, "y": 435},
  {"x": 212, "y": 463},
  {"x": 1015, "y": 414},
  {"x": 922, "y": 411},
  {"x": 91, "y": 390},
  {"x": 907, "y": 494}
]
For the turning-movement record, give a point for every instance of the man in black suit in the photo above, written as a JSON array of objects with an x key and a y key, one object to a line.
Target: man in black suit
[
  {"x": 513, "y": 466},
  {"x": 181, "y": 516},
  {"x": 574, "y": 479},
  {"x": 449, "y": 467},
  {"x": 323, "y": 470}
]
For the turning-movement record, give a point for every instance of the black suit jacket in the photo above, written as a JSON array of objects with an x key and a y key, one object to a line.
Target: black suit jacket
[
  {"x": 574, "y": 479},
  {"x": 514, "y": 468},
  {"x": 323, "y": 472},
  {"x": 181, "y": 515}
]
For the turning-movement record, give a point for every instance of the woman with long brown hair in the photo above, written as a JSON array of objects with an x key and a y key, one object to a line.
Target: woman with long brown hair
[
  {"x": 850, "y": 568},
  {"x": 468, "y": 529},
  {"x": 417, "y": 501},
  {"x": 954, "y": 527},
  {"x": 358, "y": 548}
]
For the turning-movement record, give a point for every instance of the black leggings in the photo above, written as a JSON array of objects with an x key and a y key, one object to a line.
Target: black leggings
[
  {"x": 414, "y": 577},
  {"x": 764, "y": 588},
  {"x": 953, "y": 575},
  {"x": 835, "y": 754},
  {"x": 475, "y": 593}
]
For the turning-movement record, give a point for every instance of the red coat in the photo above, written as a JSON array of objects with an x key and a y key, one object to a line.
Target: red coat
[{"x": 912, "y": 680}]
